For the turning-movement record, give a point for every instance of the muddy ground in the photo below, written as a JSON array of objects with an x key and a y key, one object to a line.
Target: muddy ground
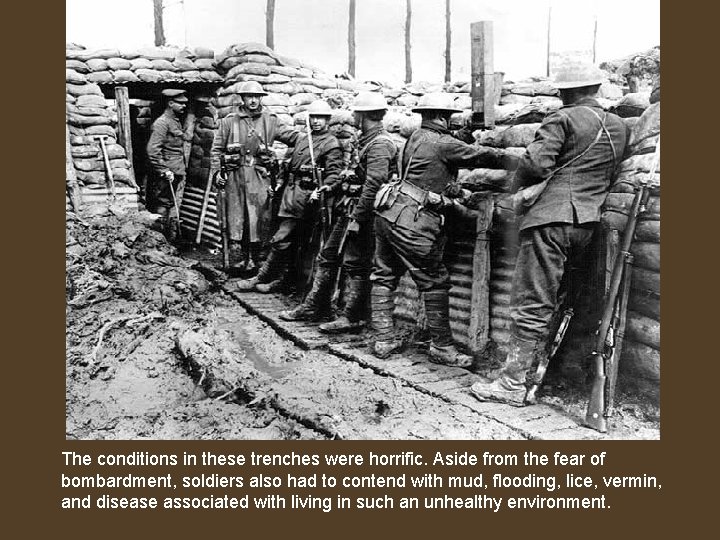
[{"x": 157, "y": 349}]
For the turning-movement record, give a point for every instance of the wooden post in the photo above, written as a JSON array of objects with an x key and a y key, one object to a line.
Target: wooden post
[
  {"x": 122, "y": 102},
  {"x": 448, "y": 37},
  {"x": 158, "y": 19},
  {"x": 408, "y": 25},
  {"x": 479, "y": 329},
  {"x": 595, "y": 41},
  {"x": 71, "y": 184},
  {"x": 482, "y": 89},
  {"x": 547, "y": 59},
  {"x": 270, "y": 24},
  {"x": 351, "y": 39}
]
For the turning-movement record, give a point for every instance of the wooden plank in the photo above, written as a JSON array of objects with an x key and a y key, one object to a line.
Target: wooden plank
[
  {"x": 479, "y": 330},
  {"x": 122, "y": 102},
  {"x": 482, "y": 89}
]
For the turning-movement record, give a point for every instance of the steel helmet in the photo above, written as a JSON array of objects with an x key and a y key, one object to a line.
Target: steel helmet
[
  {"x": 369, "y": 101},
  {"x": 436, "y": 101},
  {"x": 251, "y": 88},
  {"x": 319, "y": 108},
  {"x": 577, "y": 75}
]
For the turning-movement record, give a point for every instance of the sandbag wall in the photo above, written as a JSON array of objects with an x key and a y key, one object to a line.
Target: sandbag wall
[
  {"x": 206, "y": 121},
  {"x": 149, "y": 65},
  {"x": 640, "y": 360}
]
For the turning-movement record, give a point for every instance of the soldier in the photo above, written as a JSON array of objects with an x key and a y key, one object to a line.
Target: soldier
[
  {"x": 244, "y": 139},
  {"x": 409, "y": 227},
  {"x": 165, "y": 150},
  {"x": 376, "y": 163},
  {"x": 298, "y": 208},
  {"x": 575, "y": 153}
]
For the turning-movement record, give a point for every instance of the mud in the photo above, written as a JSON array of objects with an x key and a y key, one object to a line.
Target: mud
[{"x": 157, "y": 351}]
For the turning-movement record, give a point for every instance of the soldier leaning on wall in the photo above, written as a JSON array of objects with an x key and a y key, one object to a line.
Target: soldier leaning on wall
[
  {"x": 376, "y": 163},
  {"x": 165, "y": 150},
  {"x": 569, "y": 166},
  {"x": 409, "y": 225},
  {"x": 244, "y": 139},
  {"x": 299, "y": 206}
]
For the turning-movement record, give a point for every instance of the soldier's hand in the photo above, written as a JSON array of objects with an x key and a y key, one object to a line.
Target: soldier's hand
[
  {"x": 220, "y": 181},
  {"x": 353, "y": 227},
  {"x": 168, "y": 175}
]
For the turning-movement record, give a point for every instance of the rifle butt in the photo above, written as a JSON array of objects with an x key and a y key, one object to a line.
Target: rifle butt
[{"x": 595, "y": 414}]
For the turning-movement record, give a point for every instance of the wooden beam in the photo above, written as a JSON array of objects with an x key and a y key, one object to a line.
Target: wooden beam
[
  {"x": 351, "y": 39},
  {"x": 270, "y": 24},
  {"x": 71, "y": 184},
  {"x": 479, "y": 329},
  {"x": 158, "y": 20},
  {"x": 124, "y": 128},
  {"x": 408, "y": 27},
  {"x": 547, "y": 56},
  {"x": 482, "y": 90}
]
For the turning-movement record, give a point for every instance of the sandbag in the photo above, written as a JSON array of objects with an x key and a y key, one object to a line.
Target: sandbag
[
  {"x": 125, "y": 76},
  {"x": 70, "y": 98},
  {"x": 645, "y": 303},
  {"x": 89, "y": 55},
  {"x": 88, "y": 111},
  {"x": 191, "y": 76},
  {"x": 494, "y": 179},
  {"x": 162, "y": 64},
  {"x": 284, "y": 88},
  {"x": 87, "y": 121},
  {"x": 515, "y": 99},
  {"x": 140, "y": 63},
  {"x": 410, "y": 124},
  {"x": 210, "y": 76},
  {"x": 622, "y": 203},
  {"x": 252, "y": 68},
  {"x": 302, "y": 98},
  {"x": 643, "y": 280},
  {"x": 158, "y": 53},
  {"x": 533, "y": 88},
  {"x": 341, "y": 116},
  {"x": 284, "y": 70},
  {"x": 520, "y": 135},
  {"x": 73, "y": 77},
  {"x": 148, "y": 75},
  {"x": 77, "y": 65},
  {"x": 641, "y": 162},
  {"x": 643, "y": 329},
  {"x": 276, "y": 100},
  {"x": 610, "y": 91},
  {"x": 648, "y": 230},
  {"x": 647, "y": 126},
  {"x": 100, "y": 77},
  {"x": 91, "y": 100},
  {"x": 118, "y": 64},
  {"x": 101, "y": 130},
  {"x": 640, "y": 362},
  {"x": 92, "y": 178},
  {"x": 647, "y": 255},
  {"x": 204, "y": 63},
  {"x": 506, "y": 113}
]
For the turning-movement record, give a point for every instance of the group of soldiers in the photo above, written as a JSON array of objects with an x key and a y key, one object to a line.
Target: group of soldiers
[{"x": 384, "y": 214}]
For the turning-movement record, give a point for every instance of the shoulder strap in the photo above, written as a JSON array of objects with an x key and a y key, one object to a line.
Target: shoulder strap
[{"x": 599, "y": 135}]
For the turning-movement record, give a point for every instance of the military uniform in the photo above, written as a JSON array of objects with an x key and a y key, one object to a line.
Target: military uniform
[
  {"x": 297, "y": 214},
  {"x": 410, "y": 234},
  {"x": 575, "y": 151},
  {"x": 165, "y": 150},
  {"x": 244, "y": 139},
  {"x": 376, "y": 164}
]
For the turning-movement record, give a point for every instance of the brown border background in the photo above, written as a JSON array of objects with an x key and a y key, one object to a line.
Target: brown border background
[{"x": 34, "y": 370}]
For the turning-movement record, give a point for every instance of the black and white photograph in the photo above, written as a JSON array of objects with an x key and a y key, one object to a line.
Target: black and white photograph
[{"x": 362, "y": 220}]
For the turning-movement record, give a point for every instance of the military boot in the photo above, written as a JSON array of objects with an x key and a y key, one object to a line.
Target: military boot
[
  {"x": 238, "y": 258},
  {"x": 355, "y": 309},
  {"x": 442, "y": 350},
  {"x": 386, "y": 340},
  {"x": 316, "y": 305},
  {"x": 253, "y": 260},
  {"x": 267, "y": 273},
  {"x": 510, "y": 387}
]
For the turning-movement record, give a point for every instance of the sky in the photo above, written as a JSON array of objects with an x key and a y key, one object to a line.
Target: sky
[{"x": 315, "y": 31}]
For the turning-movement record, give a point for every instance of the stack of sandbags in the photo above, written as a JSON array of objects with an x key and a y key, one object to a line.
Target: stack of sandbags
[
  {"x": 641, "y": 70},
  {"x": 89, "y": 116},
  {"x": 291, "y": 84},
  {"x": 640, "y": 361},
  {"x": 205, "y": 124},
  {"x": 343, "y": 127},
  {"x": 152, "y": 65}
]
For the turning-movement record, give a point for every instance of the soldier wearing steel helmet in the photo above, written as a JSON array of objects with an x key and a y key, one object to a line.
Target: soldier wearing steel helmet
[
  {"x": 244, "y": 139},
  {"x": 576, "y": 150},
  {"x": 298, "y": 208},
  {"x": 409, "y": 225},
  {"x": 376, "y": 163}
]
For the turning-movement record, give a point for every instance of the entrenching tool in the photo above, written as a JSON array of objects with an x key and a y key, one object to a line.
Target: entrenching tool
[{"x": 106, "y": 160}]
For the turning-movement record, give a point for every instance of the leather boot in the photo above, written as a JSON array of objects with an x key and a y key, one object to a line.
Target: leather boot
[
  {"x": 442, "y": 350},
  {"x": 355, "y": 312},
  {"x": 238, "y": 258},
  {"x": 253, "y": 260},
  {"x": 316, "y": 305},
  {"x": 268, "y": 271},
  {"x": 510, "y": 387},
  {"x": 386, "y": 339}
]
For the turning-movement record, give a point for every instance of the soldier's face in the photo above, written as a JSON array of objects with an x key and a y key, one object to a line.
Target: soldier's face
[
  {"x": 318, "y": 123},
  {"x": 251, "y": 102},
  {"x": 357, "y": 119},
  {"x": 177, "y": 107}
]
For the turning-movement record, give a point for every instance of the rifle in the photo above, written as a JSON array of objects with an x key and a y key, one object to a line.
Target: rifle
[
  {"x": 604, "y": 355},
  {"x": 317, "y": 179},
  {"x": 221, "y": 210}
]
